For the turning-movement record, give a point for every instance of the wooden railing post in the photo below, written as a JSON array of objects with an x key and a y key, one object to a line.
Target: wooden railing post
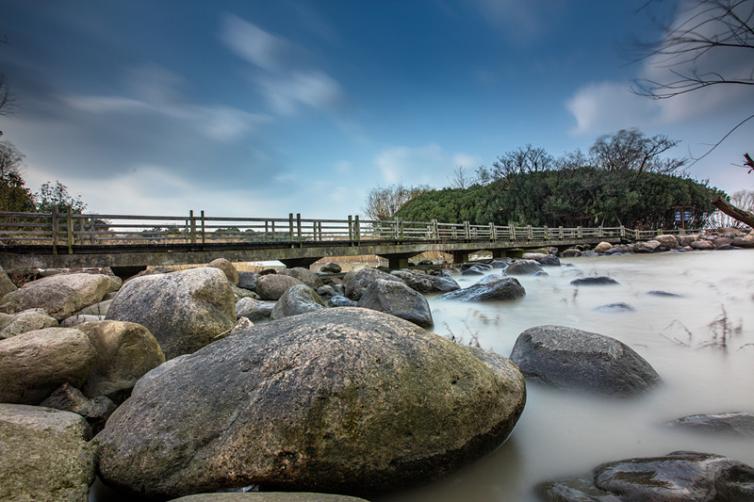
[
  {"x": 69, "y": 230},
  {"x": 512, "y": 229},
  {"x": 356, "y": 228},
  {"x": 601, "y": 231},
  {"x": 493, "y": 237},
  {"x": 298, "y": 226},
  {"x": 579, "y": 232},
  {"x": 435, "y": 230},
  {"x": 637, "y": 234},
  {"x": 560, "y": 232},
  {"x": 54, "y": 229},
  {"x": 546, "y": 232},
  {"x": 192, "y": 219},
  {"x": 350, "y": 228},
  {"x": 622, "y": 232},
  {"x": 467, "y": 230},
  {"x": 396, "y": 229},
  {"x": 202, "y": 219},
  {"x": 529, "y": 233},
  {"x": 290, "y": 227}
]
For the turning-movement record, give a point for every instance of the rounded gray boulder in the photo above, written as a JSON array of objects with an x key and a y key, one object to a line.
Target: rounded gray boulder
[
  {"x": 573, "y": 359},
  {"x": 183, "y": 310},
  {"x": 492, "y": 288},
  {"x": 343, "y": 400},
  {"x": 272, "y": 286},
  {"x": 298, "y": 299},
  {"x": 356, "y": 282},
  {"x": 395, "y": 298}
]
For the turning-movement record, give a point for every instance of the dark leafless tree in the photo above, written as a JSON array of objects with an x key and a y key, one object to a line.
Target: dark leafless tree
[
  {"x": 711, "y": 43},
  {"x": 384, "y": 202},
  {"x": 631, "y": 150},
  {"x": 528, "y": 159},
  {"x": 460, "y": 179}
]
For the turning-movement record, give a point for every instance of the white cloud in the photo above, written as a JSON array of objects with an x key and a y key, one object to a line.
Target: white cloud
[
  {"x": 286, "y": 93},
  {"x": 157, "y": 93},
  {"x": 608, "y": 106},
  {"x": 424, "y": 165},
  {"x": 286, "y": 84},
  {"x": 252, "y": 43}
]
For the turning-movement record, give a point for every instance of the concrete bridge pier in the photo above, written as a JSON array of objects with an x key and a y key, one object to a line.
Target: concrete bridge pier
[
  {"x": 398, "y": 260},
  {"x": 299, "y": 262}
]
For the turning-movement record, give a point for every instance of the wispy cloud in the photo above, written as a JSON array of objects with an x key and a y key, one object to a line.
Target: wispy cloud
[
  {"x": 426, "y": 165},
  {"x": 285, "y": 82},
  {"x": 159, "y": 95}
]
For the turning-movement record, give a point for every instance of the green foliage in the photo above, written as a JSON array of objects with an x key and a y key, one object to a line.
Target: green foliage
[
  {"x": 14, "y": 196},
  {"x": 585, "y": 196},
  {"x": 55, "y": 196}
]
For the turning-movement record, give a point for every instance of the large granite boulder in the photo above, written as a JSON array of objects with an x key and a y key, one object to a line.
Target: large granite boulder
[
  {"x": 272, "y": 286},
  {"x": 426, "y": 283},
  {"x": 268, "y": 497},
  {"x": 395, "y": 298},
  {"x": 60, "y": 295},
  {"x": 254, "y": 310},
  {"x": 247, "y": 280},
  {"x": 679, "y": 476},
  {"x": 702, "y": 245},
  {"x": 356, "y": 282},
  {"x": 545, "y": 259},
  {"x": 650, "y": 246},
  {"x": 27, "y": 320},
  {"x": 490, "y": 289},
  {"x": 686, "y": 240},
  {"x": 523, "y": 267},
  {"x": 667, "y": 240},
  {"x": 125, "y": 352},
  {"x": 344, "y": 400},
  {"x": 330, "y": 268},
  {"x": 573, "y": 359},
  {"x": 304, "y": 275},
  {"x": 227, "y": 268},
  {"x": 734, "y": 424},
  {"x": 69, "y": 398},
  {"x": 603, "y": 247},
  {"x": 35, "y": 363},
  {"x": 6, "y": 285},
  {"x": 298, "y": 299},
  {"x": 184, "y": 310},
  {"x": 44, "y": 455}
]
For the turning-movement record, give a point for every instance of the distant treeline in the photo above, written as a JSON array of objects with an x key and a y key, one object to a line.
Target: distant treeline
[{"x": 624, "y": 180}]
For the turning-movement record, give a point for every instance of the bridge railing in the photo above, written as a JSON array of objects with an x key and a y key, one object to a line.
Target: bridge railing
[{"x": 68, "y": 230}]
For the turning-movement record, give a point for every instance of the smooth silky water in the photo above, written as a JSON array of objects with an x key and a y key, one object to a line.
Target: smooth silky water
[{"x": 564, "y": 433}]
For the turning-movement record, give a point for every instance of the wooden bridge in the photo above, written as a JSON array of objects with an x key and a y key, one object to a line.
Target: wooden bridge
[{"x": 51, "y": 240}]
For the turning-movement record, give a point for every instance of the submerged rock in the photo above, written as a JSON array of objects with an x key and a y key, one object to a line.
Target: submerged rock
[
  {"x": 298, "y": 299},
  {"x": 184, "y": 310},
  {"x": 600, "y": 280},
  {"x": 665, "y": 294},
  {"x": 573, "y": 359},
  {"x": 735, "y": 423},
  {"x": 345, "y": 400},
  {"x": 395, "y": 298},
  {"x": 486, "y": 290},
  {"x": 523, "y": 267},
  {"x": 615, "y": 307},
  {"x": 45, "y": 456},
  {"x": 679, "y": 476}
]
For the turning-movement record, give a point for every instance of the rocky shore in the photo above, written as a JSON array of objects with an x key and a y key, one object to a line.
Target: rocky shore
[{"x": 195, "y": 382}]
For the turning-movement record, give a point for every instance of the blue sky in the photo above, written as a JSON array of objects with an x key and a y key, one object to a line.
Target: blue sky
[{"x": 262, "y": 108}]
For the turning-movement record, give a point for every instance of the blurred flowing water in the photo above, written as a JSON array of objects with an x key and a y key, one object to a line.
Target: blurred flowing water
[{"x": 561, "y": 433}]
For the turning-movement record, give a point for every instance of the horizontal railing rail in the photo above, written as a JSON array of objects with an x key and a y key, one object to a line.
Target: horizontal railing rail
[{"x": 65, "y": 231}]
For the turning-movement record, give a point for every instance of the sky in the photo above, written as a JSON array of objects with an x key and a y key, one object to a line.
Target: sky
[{"x": 257, "y": 108}]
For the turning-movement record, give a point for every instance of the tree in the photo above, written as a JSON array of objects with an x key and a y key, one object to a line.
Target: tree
[
  {"x": 55, "y": 197},
  {"x": 460, "y": 180},
  {"x": 711, "y": 43},
  {"x": 631, "y": 150},
  {"x": 384, "y": 202},
  {"x": 14, "y": 196},
  {"x": 528, "y": 159}
]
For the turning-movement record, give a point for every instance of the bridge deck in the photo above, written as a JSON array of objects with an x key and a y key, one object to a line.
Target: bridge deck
[{"x": 31, "y": 240}]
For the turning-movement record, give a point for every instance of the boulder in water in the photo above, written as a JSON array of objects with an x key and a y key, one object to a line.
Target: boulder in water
[
  {"x": 523, "y": 267},
  {"x": 603, "y": 247},
  {"x": 679, "y": 476},
  {"x": 734, "y": 424},
  {"x": 184, "y": 310},
  {"x": 615, "y": 307},
  {"x": 395, "y": 298},
  {"x": 599, "y": 280},
  {"x": 494, "y": 289},
  {"x": 426, "y": 283},
  {"x": 573, "y": 359},
  {"x": 344, "y": 400},
  {"x": 702, "y": 245},
  {"x": 667, "y": 240},
  {"x": 650, "y": 246},
  {"x": 356, "y": 282}
]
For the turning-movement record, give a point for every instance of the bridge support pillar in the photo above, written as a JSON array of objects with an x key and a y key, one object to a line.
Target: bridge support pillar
[
  {"x": 397, "y": 261},
  {"x": 499, "y": 253},
  {"x": 460, "y": 257},
  {"x": 299, "y": 262}
]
